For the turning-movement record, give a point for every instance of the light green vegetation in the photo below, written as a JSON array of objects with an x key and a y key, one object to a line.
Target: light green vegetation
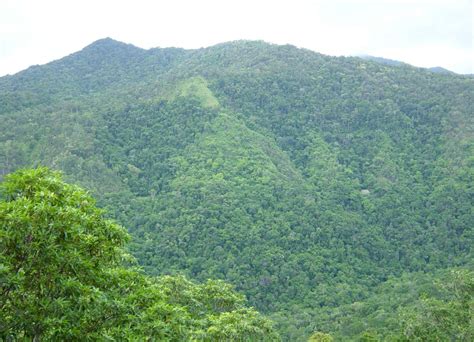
[{"x": 197, "y": 87}]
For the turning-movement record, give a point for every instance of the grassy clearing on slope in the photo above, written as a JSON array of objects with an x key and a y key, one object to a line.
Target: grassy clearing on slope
[{"x": 196, "y": 87}]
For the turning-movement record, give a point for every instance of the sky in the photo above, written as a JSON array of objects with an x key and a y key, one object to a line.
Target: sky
[{"x": 424, "y": 33}]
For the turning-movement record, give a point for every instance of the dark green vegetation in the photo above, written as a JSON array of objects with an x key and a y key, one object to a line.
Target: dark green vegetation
[
  {"x": 63, "y": 277},
  {"x": 315, "y": 185}
]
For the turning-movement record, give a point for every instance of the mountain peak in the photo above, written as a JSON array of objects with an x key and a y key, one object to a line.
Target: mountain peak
[
  {"x": 440, "y": 70},
  {"x": 109, "y": 43}
]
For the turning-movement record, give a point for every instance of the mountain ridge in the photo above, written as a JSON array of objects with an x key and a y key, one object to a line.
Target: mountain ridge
[
  {"x": 392, "y": 62},
  {"x": 110, "y": 44}
]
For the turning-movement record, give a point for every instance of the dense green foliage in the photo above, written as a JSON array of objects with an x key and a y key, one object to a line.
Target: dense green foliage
[
  {"x": 304, "y": 180},
  {"x": 63, "y": 277},
  {"x": 447, "y": 318},
  {"x": 416, "y": 306}
]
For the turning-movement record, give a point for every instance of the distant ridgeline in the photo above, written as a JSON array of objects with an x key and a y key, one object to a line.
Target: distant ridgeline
[
  {"x": 392, "y": 62},
  {"x": 320, "y": 187}
]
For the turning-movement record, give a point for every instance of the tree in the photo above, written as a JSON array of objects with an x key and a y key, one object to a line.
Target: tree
[
  {"x": 57, "y": 252},
  {"x": 62, "y": 276},
  {"x": 320, "y": 337}
]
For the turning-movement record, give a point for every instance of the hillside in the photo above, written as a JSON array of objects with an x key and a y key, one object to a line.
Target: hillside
[{"x": 306, "y": 181}]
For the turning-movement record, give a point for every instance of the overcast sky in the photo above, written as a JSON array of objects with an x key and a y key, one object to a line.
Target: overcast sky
[{"x": 420, "y": 32}]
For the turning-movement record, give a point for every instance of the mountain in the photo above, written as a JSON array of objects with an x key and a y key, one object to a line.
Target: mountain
[
  {"x": 393, "y": 62},
  {"x": 382, "y": 60},
  {"x": 440, "y": 70},
  {"x": 304, "y": 180}
]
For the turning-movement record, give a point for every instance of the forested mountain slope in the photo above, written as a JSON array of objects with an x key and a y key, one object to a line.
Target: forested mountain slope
[
  {"x": 302, "y": 179},
  {"x": 65, "y": 276}
]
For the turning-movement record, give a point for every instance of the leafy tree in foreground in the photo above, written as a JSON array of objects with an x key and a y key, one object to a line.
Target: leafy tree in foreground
[{"x": 62, "y": 277}]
